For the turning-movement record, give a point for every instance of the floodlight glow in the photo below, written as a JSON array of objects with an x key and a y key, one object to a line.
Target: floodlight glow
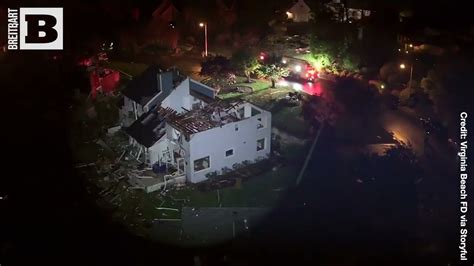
[{"x": 297, "y": 86}]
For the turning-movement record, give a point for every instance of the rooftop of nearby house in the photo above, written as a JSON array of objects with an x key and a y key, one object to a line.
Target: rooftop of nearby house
[
  {"x": 146, "y": 86},
  {"x": 300, "y": 6}
]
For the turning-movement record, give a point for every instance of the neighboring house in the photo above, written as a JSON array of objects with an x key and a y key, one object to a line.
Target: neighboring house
[
  {"x": 348, "y": 10},
  {"x": 299, "y": 12},
  {"x": 162, "y": 27},
  {"x": 186, "y": 127}
]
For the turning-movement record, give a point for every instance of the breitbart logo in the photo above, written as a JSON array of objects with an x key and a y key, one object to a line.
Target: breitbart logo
[{"x": 35, "y": 28}]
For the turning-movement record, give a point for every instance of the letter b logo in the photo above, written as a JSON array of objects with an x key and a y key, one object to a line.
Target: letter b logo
[{"x": 41, "y": 28}]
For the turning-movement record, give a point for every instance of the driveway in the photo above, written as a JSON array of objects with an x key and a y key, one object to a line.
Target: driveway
[
  {"x": 318, "y": 87},
  {"x": 405, "y": 128},
  {"x": 189, "y": 63}
]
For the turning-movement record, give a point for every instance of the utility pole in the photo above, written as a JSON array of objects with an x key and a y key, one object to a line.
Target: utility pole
[{"x": 204, "y": 24}]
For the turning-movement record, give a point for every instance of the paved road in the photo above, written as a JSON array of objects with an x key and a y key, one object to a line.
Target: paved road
[
  {"x": 405, "y": 128},
  {"x": 189, "y": 63},
  {"x": 319, "y": 87}
]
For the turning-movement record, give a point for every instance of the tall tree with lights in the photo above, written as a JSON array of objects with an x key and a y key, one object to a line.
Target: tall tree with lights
[
  {"x": 246, "y": 62},
  {"x": 273, "y": 72}
]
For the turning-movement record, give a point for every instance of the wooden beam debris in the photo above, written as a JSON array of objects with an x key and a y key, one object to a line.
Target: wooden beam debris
[
  {"x": 121, "y": 156},
  {"x": 84, "y": 165},
  {"x": 169, "y": 209}
]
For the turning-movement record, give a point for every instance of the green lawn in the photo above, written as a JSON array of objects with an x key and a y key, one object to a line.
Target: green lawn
[
  {"x": 260, "y": 191},
  {"x": 133, "y": 69},
  {"x": 267, "y": 98},
  {"x": 257, "y": 85},
  {"x": 290, "y": 120}
]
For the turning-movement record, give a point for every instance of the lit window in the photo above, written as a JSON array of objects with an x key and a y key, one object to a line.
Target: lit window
[
  {"x": 201, "y": 164},
  {"x": 260, "y": 144},
  {"x": 229, "y": 153}
]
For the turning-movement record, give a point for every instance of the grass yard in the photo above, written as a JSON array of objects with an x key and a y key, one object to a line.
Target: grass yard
[
  {"x": 290, "y": 120},
  {"x": 133, "y": 69},
  {"x": 267, "y": 98},
  {"x": 257, "y": 85},
  {"x": 260, "y": 191}
]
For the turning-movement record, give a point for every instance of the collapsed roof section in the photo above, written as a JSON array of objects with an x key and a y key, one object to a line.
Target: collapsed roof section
[
  {"x": 150, "y": 127},
  {"x": 215, "y": 114}
]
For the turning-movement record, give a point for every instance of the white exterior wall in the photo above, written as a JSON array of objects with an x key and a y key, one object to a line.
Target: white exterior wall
[
  {"x": 129, "y": 106},
  {"x": 179, "y": 98},
  {"x": 158, "y": 152},
  {"x": 215, "y": 142}
]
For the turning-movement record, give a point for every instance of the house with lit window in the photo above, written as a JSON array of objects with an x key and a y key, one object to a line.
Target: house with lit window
[
  {"x": 178, "y": 123},
  {"x": 349, "y": 10},
  {"x": 299, "y": 12}
]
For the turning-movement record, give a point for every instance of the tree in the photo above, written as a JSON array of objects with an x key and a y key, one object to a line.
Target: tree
[
  {"x": 321, "y": 109},
  {"x": 219, "y": 71},
  {"x": 330, "y": 51},
  {"x": 246, "y": 62},
  {"x": 351, "y": 62},
  {"x": 273, "y": 72}
]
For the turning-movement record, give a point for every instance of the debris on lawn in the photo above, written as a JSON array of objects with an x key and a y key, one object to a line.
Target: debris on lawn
[
  {"x": 84, "y": 165},
  {"x": 113, "y": 130}
]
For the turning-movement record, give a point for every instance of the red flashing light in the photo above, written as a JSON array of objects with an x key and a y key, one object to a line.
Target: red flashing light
[{"x": 262, "y": 57}]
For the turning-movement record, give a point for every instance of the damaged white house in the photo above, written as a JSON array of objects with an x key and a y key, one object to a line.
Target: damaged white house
[{"x": 181, "y": 124}]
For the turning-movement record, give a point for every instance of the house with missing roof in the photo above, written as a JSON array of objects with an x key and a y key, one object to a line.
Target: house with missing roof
[
  {"x": 178, "y": 123},
  {"x": 167, "y": 88}
]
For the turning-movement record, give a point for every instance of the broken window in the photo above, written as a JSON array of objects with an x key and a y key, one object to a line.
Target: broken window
[
  {"x": 261, "y": 122},
  {"x": 255, "y": 112},
  {"x": 229, "y": 152},
  {"x": 201, "y": 164},
  {"x": 260, "y": 144},
  {"x": 241, "y": 113}
]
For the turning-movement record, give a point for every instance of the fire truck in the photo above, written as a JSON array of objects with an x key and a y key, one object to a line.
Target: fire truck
[{"x": 299, "y": 69}]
